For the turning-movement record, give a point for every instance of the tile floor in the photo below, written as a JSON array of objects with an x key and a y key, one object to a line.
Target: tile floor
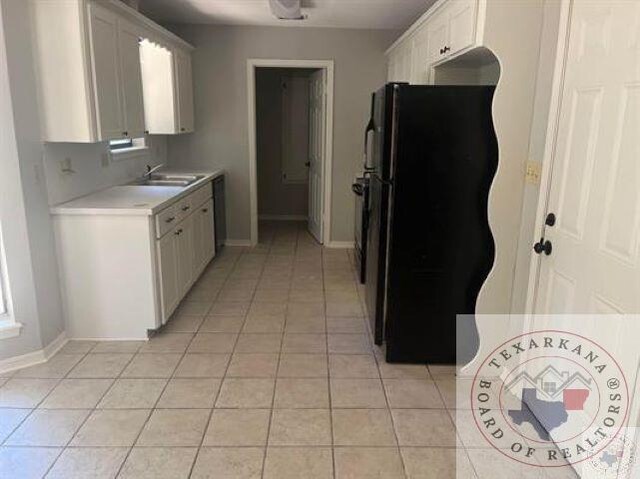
[{"x": 265, "y": 371}]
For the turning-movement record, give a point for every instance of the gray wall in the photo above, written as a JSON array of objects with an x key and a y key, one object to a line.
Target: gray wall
[
  {"x": 275, "y": 198},
  {"x": 220, "y": 84},
  {"x": 24, "y": 211}
]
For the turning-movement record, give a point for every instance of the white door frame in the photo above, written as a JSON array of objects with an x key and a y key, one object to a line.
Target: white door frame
[
  {"x": 327, "y": 65},
  {"x": 549, "y": 150}
]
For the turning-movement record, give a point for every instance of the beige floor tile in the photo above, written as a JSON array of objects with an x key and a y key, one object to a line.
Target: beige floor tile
[
  {"x": 344, "y": 309},
  {"x": 111, "y": 428},
  {"x": 368, "y": 463},
  {"x": 271, "y": 295},
  {"x": 491, "y": 464},
  {"x": 152, "y": 365},
  {"x": 301, "y": 393},
  {"x": 238, "y": 427},
  {"x": 202, "y": 365},
  {"x": 133, "y": 394},
  {"x": 258, "y": 309},
  {"x": 424, "y": 427},
  {"x": 26, "y": 462},
  {"x": 363, "y": 427},
  {"x": 442, "y": 370},
  {"x": 289, "y": 462},
  {"x": 357, "y": 393},
  {"x": 25, "y": 393},
  {"x": 48, "y": 428},
  {"x": 245, "y": 393},
  {"x": 228, "y": 463},
  {"x": 348, "y": 295},
  {"x": 222, "y": 324},
  {"x": 230, "y": 294},
  {"x": 158, "y": 463},
  {"x": 193, "y": 308},
  {"x": 56, "y": 367},
  {"x": 412, "y": 393},
  {"x": 167, "y": 343},
  {"x": 83, "y": 462},
  {"x": 11, "y": 419},
  {"x": 117, "y": 347},
  {"x": 101, "y": 365},
  {"x": 183, "y": 324},
  {"x": 303, "y": 366},
  {"x": 300, "y": 427},
  {"x": 468, "y": 431},
  {"x": 346, "y": 325},
  {"x": 303, "y": 324},
  {"x": 259, "y": 343},
  {"x": 304, "y": 343},
  {"x": 77, "y": 347},
  {"x": 175, "y": 427},
  {"x": 305, "y": 296},
  {"x": 403, "y": 371},
  {"x": 353, "y": 366},
  {"x": 305, "y": 309},
  {"x": 226, "y": 308},
  {"x": 77, "y": 394},
  {"x": 264, "y": 324},
  {"x": 349, "y": 344},
  {"x": 253, "y": 365},
  {"x": 190, "y": 393},
  {"x": 212, "y": 343},
  {"x": 436, "y": 463}
]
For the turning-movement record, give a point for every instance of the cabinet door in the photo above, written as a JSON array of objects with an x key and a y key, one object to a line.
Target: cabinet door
[
  {"x": 184, "y": 84},
  {"x": 198, "y": 241},
  {"x": 184, "y": 256},
  {"x": 462, "y": 24},
  {"x": 131, "y": 79},
  {"x": 104, "y": 47},
  {"x": 420, "y": 56},
  {"x": 167, "y": 269},
  {"x": 437, "y": 35},
  {"x": 208, "y": 231}
]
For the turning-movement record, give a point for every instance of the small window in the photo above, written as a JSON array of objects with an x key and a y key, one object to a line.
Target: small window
[{"x": 115, "y": 145}]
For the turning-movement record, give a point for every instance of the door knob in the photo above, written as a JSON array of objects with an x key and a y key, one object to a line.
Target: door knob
[
  {"x": 307, "y": 164},
  {"x": 543, "y": 246}
]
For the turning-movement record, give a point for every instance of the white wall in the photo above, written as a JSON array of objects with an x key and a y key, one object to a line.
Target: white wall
[
  {"x": 220, "y": 83},
  {"x": 24, "y": 211},
  {"x": 91, "y": 173}
]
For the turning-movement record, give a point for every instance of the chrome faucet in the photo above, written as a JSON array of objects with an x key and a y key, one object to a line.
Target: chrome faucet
[{"x": 150, "y": 171}]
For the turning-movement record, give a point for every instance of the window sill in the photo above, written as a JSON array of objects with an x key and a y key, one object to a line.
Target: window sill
[
  {"x": 128, "y": 153},
  {"x": 9, "y": 329}
]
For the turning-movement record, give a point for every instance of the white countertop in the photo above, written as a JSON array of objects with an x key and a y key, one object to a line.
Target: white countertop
[{"x": 133, "y": 199}]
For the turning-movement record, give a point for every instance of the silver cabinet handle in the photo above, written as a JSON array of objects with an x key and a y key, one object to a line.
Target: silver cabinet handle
[
  {"x": 204, "y": 210},
  {"x": 169, "y": 220},
  {"x": 186, "y": 208},
  {"x": 178, "y": 232}
]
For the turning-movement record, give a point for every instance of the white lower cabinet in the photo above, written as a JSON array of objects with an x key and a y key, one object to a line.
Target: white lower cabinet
[{"x": 185, "y": 250}]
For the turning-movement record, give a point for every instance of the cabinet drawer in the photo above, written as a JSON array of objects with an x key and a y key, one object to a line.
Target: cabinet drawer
[
  {"x": 184, "y": 207},
  {"x": 165, "y": 220},
  {"x": 202, "y": 195}
]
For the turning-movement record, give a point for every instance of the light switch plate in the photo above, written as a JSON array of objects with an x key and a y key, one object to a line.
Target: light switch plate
[{"x": 532, "y": 172}]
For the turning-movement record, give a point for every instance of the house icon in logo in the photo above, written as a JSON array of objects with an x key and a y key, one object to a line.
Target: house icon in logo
[{"x": 549, "y": 383}]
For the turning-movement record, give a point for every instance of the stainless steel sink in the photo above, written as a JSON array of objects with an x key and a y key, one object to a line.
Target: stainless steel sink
[{"x": 162, "y": 179}]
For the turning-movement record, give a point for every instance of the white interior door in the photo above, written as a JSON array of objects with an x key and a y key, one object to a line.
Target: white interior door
[
  {"x": 595, "y": 186},
  {"x": 317, "y": 121}
]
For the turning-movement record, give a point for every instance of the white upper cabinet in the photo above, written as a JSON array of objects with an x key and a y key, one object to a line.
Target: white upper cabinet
[
  {"x": 89, "y": 75},
  {"x": 168, "y": 89},
  {"x": 438, "y": 35},
  {"x": 103, "y": 26},
  {"x": 131, "y": 78},
  {"x": 462, "y": 24},
  {"x": 184, "y": 86}
]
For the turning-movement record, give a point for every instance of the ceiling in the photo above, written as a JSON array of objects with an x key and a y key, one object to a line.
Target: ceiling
[{"x": 373, "y": 14}]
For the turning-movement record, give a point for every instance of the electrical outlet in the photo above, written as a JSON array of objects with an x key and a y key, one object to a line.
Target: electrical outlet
[{"x": 532, "y": 172}]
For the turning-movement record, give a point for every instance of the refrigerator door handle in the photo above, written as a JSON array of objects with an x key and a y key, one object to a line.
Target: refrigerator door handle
[{"x": 370, "y": 128}]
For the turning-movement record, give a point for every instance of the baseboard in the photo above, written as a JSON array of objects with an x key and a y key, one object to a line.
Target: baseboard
[
  {"x": 340, "y": 244},
  {"x": 283, "y": 217},
  {"x": 35, "y": 357},
  {"x": 232, "y": 242}
]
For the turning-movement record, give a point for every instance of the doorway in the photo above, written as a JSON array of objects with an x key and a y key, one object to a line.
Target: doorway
[{"x": 290, "y": 144}]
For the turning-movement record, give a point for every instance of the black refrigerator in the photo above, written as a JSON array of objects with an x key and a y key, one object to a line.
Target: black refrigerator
[{"x": 429, "y": 245}]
